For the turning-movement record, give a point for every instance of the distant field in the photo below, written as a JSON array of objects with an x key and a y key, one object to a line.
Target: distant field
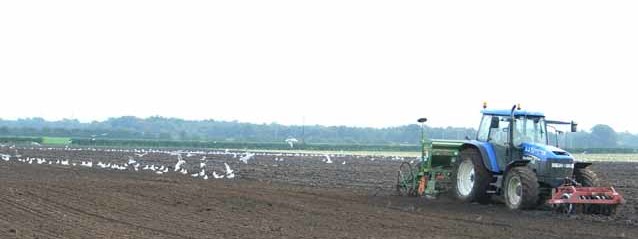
[
  {"x": 608, "y": 157},
  {"x": 55, "y": 140}
]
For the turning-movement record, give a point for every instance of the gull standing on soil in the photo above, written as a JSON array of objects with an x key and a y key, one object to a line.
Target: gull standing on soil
[
  {"x": 217, "y": 176},
  {"x": 6, "y": 157},
  {"x": 131, "y": 160}
]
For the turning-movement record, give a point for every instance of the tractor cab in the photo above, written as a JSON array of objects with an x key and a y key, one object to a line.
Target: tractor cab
[{"x": 519, "y": 137}]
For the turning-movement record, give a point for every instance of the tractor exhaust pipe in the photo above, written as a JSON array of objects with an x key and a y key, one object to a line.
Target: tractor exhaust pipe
[{"x": 511, "y": 149}]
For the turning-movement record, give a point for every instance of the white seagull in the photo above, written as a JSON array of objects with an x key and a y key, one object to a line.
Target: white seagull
[
  {"x": 328, "y": 160},
  {"x": 229, "y": 172},
  {"x": 247, "y": 157},
  {"x": 217, "y": 176}
]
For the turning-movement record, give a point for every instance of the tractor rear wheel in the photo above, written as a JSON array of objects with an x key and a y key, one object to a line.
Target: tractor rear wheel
[
  {"x": 521, "y": 188},
  {"x": 586, "y": 177},
  {"x": 470, "y": 179}
]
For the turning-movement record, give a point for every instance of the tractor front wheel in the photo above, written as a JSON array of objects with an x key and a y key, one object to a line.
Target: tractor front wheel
[{"x": 521, "y": 188}]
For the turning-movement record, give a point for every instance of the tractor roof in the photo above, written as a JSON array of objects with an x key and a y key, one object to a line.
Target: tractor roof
[{"x": 516, "y": 112}]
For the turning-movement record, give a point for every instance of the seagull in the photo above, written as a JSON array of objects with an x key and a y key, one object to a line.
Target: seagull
[
  {"x": 328, "y": 159},
  {"x": 344, "y": 163},
  {"x": 203, "y": 158},
  {"x": 205, "y": 177},
  {"x": 184, "y": 171},
  {"x": 131, "y": 160},
  {"x": 229, "y": 172},
  {"x": 202, "y": 173},
  {"x": 195, "y": 175},
  {"x": 201, "y": 165},
  {"x": 178, "y": 165},
  {"x": 217, "y": 176},
  {"x": 142, "y": 154},
  {"x": 291, "y": 142},
  {"x": 247, "y": 157},
  {"x": 6, "y": 157}
]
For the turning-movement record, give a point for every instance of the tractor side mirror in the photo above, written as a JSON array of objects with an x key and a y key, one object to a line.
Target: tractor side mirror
[
  {"x": 574, "y": 126},
  {"x": 494, "y": 123}
]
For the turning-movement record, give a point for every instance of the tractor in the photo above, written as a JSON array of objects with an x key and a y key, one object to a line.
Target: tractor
[{"x": 510, "y": 160}]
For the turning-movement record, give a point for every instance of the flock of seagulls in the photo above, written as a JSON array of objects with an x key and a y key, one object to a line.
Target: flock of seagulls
[
  {"x": 133, "y": 164},
  {"x": 196, "y": 168}
]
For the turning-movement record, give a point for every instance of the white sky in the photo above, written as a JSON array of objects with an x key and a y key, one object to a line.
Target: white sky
[{"x": 356, "y": 63}]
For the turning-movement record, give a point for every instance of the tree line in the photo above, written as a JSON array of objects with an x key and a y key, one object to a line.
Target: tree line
[{"x": 162, "y": 128}]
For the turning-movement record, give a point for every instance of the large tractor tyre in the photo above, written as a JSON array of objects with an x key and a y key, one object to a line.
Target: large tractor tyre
[
  {"x": 521, "y": 188},
  {"x": 470, "y": 179},
  {"x": 586, "y": 177}
]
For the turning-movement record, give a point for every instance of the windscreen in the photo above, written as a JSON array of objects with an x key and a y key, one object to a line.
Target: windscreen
[{"x": 530, "y": 129}]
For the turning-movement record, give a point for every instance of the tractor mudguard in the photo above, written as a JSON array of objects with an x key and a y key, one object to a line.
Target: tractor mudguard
[
  {"x": 517, "y": 163},
  {"x": 578, "y": 164},
  {"x": 488, "y": 158}
]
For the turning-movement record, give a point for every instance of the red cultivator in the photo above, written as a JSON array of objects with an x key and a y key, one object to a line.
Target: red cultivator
[{"x": 572, "y": 198}]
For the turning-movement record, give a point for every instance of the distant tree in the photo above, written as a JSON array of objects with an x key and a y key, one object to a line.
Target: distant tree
[{"x": 603, "y": 136}]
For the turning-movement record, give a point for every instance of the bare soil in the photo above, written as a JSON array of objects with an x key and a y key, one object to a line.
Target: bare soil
[{"x": 299, "y": 197}]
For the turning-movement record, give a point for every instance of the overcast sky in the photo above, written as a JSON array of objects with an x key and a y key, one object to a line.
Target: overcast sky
[{"x": 355, "y": 63}]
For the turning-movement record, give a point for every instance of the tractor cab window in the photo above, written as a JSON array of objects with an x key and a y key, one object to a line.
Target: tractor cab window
[
  {"x": 499, "y": 132},
  {"x": 484, "y": 128},
  {"x": 529, "y": 129}
]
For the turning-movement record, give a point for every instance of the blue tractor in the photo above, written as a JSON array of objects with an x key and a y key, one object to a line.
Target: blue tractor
[{"x": 510, "y": 158}]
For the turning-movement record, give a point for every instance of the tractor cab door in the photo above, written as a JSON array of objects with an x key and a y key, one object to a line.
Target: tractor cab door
[
  {"x": 494, "y": 131},
  {"x": 499, "y": 138}
]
